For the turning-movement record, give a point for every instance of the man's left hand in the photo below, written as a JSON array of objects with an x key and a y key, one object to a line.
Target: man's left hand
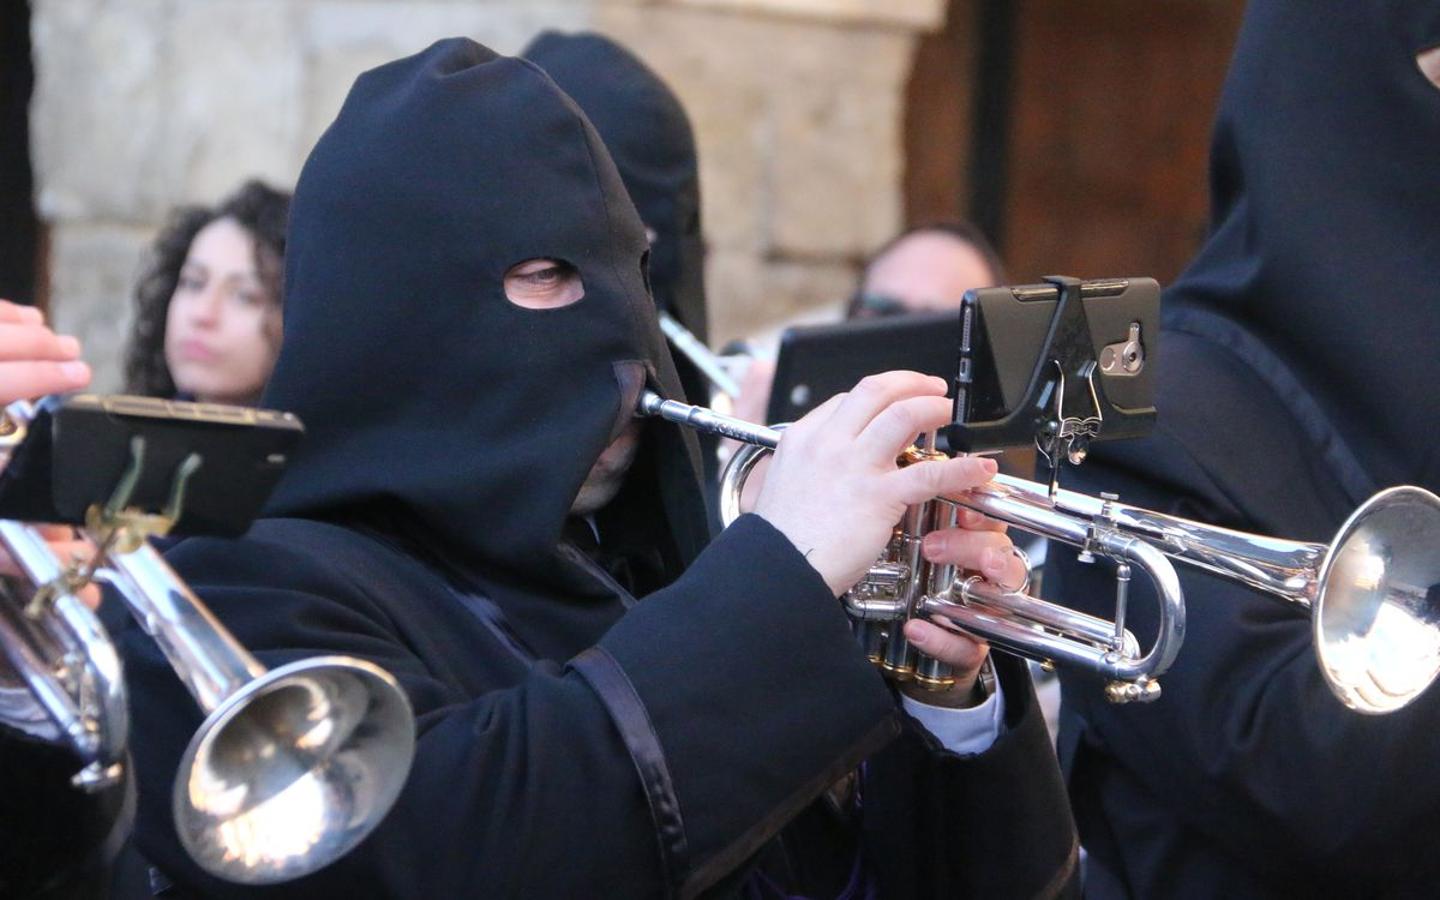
[{"x": 979, "y": 544}]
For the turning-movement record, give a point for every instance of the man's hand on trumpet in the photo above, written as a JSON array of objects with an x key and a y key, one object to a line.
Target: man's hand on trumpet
[
  {"x": 979, "y": 544},
  {"x": 35, "y": 361},
  {"x": 835, "y": 490}
]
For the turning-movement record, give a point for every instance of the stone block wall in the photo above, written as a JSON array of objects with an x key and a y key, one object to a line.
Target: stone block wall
[{"x": 141, "y": 105}]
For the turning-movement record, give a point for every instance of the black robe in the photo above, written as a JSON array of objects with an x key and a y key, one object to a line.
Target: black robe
[
  {"x": 655, "y": 764},
  {"x": 573, "y": 742},
  {"x": 1297, "y": 372},
  {"x": 56, "y": 840}
]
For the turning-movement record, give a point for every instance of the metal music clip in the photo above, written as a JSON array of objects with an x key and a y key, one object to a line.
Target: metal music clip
[{"x": 1067, "y": 438}]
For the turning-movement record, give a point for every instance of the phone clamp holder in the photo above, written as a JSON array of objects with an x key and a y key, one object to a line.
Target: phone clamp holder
[{"x": 1065, "y": 406}]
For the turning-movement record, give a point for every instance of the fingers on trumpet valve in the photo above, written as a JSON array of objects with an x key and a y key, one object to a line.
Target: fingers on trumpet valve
[
  {"x": 990, "y": 553},
  {"x": 963, "y": 652}
]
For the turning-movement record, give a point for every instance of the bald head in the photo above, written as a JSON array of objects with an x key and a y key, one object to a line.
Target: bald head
[{"x": 927, "y": 271}]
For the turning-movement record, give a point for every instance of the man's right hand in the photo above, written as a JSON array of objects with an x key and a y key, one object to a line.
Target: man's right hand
[
  {"x": 34, "y": 360},
  {"x": 834, "y": 488}
]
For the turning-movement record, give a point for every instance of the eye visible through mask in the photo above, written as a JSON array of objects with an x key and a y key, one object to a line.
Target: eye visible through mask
[{"x": 543, "y": 284}]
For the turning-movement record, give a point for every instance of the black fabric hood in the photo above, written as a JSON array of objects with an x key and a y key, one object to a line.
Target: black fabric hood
[
  {"x": 649, "y": 136},
  {"x": 433, "y": 405},
  {"x": 1325, "y": 178}
]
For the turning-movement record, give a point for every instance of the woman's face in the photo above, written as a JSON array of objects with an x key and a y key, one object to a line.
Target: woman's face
[{"x": 222, "y": 332}]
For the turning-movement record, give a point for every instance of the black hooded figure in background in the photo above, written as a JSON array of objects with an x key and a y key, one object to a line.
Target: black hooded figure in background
[
  {"x": 1298, "y": 377},
  {"x": 476, "y": 509},
  {"x": 648, "y": 135}
]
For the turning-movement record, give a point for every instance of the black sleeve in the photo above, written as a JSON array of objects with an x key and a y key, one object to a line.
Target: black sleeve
[
  {"x": 993, "y": 824},
  {"x": 652, "y": 765},
  {"x": 58, "y": 840},
  {"x": 1247, "y": 748}
]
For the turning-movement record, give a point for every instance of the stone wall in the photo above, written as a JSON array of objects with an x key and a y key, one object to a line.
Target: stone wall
[{"x": 141, "y": 105}]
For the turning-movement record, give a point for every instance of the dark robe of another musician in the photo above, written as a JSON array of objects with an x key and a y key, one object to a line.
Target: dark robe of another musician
[
  {"x": 649, "y": 137},
  {"x": 572, "y": 741},
  {"x": 1297, "y": 376}
]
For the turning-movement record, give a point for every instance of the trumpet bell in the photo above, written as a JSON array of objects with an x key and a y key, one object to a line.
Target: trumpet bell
[
  {"x": 293, "y": 770},
  {"x": 1377, "y": 613}
]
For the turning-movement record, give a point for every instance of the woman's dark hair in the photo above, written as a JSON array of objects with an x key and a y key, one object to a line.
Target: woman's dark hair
[
  {"x": 962, "y": 231},
  {"x": 259, "y": 209}
]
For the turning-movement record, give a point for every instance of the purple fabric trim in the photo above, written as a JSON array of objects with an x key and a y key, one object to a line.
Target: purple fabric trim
[{"x": 861, "y": 886}]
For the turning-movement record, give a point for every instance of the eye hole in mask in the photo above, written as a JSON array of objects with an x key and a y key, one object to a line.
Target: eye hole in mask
[
  {"x": 1429, "y": 63},
  {"x": 543, "y": 284}
]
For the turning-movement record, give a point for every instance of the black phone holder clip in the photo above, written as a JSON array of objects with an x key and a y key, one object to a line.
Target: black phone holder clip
[{"x": 1065, "y": 406}]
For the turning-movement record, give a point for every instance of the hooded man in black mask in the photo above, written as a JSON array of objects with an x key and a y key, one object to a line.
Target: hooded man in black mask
[
  {"x": 1299, "y": 377},
  {"x": 476, "y": 509}
]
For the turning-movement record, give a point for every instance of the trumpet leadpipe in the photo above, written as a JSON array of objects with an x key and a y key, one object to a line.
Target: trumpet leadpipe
[{"x": 707, "y": 420}]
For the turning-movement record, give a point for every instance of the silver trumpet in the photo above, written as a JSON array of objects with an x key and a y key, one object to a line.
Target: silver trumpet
[
  {"x": 1373, "y": 592},
  {"x": 291, "y": 768}
]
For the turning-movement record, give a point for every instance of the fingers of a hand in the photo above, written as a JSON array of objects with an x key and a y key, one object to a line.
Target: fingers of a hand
[
  {"x": 27, "y": 341},
  {"x": 978, "y": 521},
  {"x": 987, "y": 552},
  {"x": 90, "y": 595},
  {"x": 62, "y": 542},
  {"x": 876, "y": 392},
  {"x": 816, "y": 422},
  {"x": 898, "y": 424},
  {"x": 71, "y": 548},
  {"x": 19, "y": 380},
  {"x": 922, "y": 481},
  {"x": 964, "y": 653},
  {"x": 16, "y": 312}
]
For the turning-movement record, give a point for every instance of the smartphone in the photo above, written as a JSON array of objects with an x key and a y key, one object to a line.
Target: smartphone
[
  {"x": 1032, "y": 355},
  {"x": 78, "y": 448}
]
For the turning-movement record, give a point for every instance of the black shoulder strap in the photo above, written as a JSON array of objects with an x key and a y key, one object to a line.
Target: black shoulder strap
[{"x": 1327, "y": 440}]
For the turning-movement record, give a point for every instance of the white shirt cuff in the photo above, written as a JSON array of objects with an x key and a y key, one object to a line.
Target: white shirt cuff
[{"x": 970, "y": 730}]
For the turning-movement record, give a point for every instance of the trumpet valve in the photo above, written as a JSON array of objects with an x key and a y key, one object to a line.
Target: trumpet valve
[
  {"x": 872, "y": 639},
  {"x": 1142, "y": 690},
  {"x": 899, "y": 670},
  {"x": 934, "y": 675},
  {"x": 97, "y": 776},
  {"x": 879, "y": 595}
]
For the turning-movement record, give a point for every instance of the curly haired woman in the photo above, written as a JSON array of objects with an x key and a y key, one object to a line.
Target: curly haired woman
[{"x": 207, "y": 324}]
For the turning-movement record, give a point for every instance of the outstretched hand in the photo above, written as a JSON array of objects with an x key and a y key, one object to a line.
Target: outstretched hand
[{"x": 34, "y": 360}]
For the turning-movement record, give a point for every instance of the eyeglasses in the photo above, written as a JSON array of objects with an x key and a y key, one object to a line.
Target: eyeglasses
[{"x": 878, "y": 305}]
